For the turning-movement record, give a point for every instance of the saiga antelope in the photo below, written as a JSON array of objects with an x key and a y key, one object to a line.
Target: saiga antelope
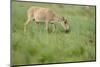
[{"x": 40, "y": 14}]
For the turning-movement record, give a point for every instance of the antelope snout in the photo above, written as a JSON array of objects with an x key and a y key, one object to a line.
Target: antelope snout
[{"x": 67, "y": 29}]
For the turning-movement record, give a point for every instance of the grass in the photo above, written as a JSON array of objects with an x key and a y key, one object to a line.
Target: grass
[{"x": 40, "y": 47}]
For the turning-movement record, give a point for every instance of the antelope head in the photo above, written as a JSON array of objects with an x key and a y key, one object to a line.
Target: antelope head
[{"x": 64, "y": 24}]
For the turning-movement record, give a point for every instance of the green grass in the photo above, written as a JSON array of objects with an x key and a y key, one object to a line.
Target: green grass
[{"x": 39, "y": 47}]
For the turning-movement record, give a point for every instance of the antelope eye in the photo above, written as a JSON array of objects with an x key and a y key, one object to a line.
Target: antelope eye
[{"x": 65, "y": 22}]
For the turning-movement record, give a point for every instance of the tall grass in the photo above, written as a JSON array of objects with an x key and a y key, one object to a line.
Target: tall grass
[{"x": 39, "y": 47}]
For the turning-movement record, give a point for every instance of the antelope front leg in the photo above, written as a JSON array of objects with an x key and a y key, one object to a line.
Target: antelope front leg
[
  {"x": 46, "y": 23},
  {"x": 54, "y": 27}
]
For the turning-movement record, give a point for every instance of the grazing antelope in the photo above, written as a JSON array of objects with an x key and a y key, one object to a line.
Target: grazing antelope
[{"x": 40, "y": 14}]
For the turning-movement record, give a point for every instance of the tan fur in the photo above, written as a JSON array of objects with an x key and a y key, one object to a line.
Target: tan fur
[{"x": 40, "y": 14}]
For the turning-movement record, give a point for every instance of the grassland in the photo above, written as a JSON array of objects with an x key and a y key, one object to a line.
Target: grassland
[{"x": 39, "y": 47}]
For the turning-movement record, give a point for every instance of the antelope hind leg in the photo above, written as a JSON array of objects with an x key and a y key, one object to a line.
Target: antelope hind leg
[{"x": 27, "y": 22}]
